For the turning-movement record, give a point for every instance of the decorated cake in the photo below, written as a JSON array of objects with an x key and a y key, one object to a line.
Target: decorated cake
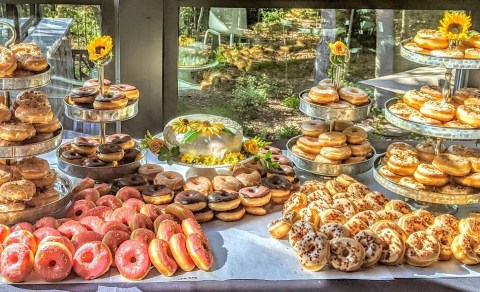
[{"x": 202, "y": 135}]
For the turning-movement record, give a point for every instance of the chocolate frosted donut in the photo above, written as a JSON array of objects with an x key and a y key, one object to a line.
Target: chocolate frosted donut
[
  {"x": 131, "y": 155},
  {"x": 84, "y": 94},
  {"x": 94, "y": 162},
  {"x": 84, "y": 145},
  {"x": 110, "y": 100},
  {"x": 157, "y": 194},
  {"x": 132, "y": 180},
  {"x": 223, "y": 200},
  {"x": 283, "y": 170},
  {"x": 276, "y": 182},
  {"x": 110, "y": 152},
  {"x": 255, "y": 196},
  {"x": 123, "y": 140},
  {"x": 73, "y": 157},
  {"x": 193, "y": 200}
]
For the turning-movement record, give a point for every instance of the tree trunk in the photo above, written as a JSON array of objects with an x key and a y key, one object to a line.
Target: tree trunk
[{"x": 328, "y": 34}]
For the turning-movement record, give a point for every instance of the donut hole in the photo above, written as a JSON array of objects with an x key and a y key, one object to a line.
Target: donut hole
[
  {"x": 78, "y": 213},
  {"x": 133, "y": 260},
  {"x": 88, "y": 257},
  {"x": 52, "y": 263},
  {"x": 310, "y": 248},
  {"x": 444, "y": 241},
  {"x": 345, "y": 253},
  {"x": 14, "y": 259}
]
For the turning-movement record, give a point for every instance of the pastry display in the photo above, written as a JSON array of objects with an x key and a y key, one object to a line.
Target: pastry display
[
  {"x": 116, "y": 96},
  {"x": 345, "y": 97},
  {"x": 20, "y": 60}
]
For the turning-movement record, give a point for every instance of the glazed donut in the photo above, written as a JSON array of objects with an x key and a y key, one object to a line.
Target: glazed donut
[
  {"x": 447, "y": 53},
  {"x": 355, "y": 226},
  {"x": 320, "y": 159},
  {"x": 355, "y": 135},
  {"x": 462, "y": 94},
  {"x": 22, "y": 226},
  {"x": 466, "y": 249},
  {"x": 157, "y": 194},
  {"x": 353, "y": 95},
  {"x": 439, "y": 111},
  {"x": 393, "y": 247},
  {"x": 254, "y": 196},
  {"x": 178, "y": 246},
  {"x": 8, "y": 62},
  {"x": 297, "y": 151},
  {"x": 472, "y": 41},
  {"x": 32, "y": 61},
  {"x": 335, "y": 187},
  {"x": 16, "y": 131},
  {"x": 429, "y": 175},
  {"x": 468, "y": 114},
  {"x": 313, "y": 251},
  {"x": 92, "y": 260},
  {"x": 322, "y": 94},
  {"x": 34, "y": 168},
  {"x": 444, "y": 235},
  {"x": 340, "y": 104},
  {"x": 5, "y": 113},
  {"x": 336, "y": 153},
  {"x": 421, "y": 249},
  {"x": 94, "y": 83},
  {"x": 334, "y": 230},
  {"x": 298, "y": 230},
  {"x": 415, "y": 99},
  {"x": 132, "y": 260},
  {"x": 27, "y": 97},
  {"x": 249, "y": 177},
  {"x": 313, "y": 128},
  {"x": 109, "y": 152},
  {"x": 149, "y": 171},
  {"x": 53, "y": 262},
  {"x": 204, "y": 215},
  {"x": 403, "y": 164},
  {"x": 19, "y": 190},
  {"x": 99, "y": 211},
  {"x": 179, "y": 211},
  {"x": 295, "y": 202},
  {"x": 452, "y": 164},
  {"x": 447, "y": 220},
  {"x": 84, "y": 145},
  {"x": 34, "y": 113},
  {"x": 172, "y": 179},
  {"x": 16, "y": 262},
  {"x": 193, "y": 200},
  {"x": 280, "y": 227},
  {"x": 84, "y": 94},
  {"x": 200, "y": 184},
  {"x": 231, "y": 215},
  {"x": 309, "y": 144},
  {"x": 401, "y": 109},
  {"x": 130, "y": 91},
  {"x": 433, "y": 91},
  {"x": 110, "y": 101},
  {"x": 472, "y": 101},
  {"x": 361, "y": 150},
  {"x": 116, "y": 226},
  {"x": 430, "y": 39},
  {"x": 332, "y": 139},
  {"x": 346, "y": 254},
  {"x": 412, "y": 223},
  {"x": 385, "y": 172},
  {"x": 46, "y": 128},
  {"x": 160, "y": 255},
  {"x": 112, "y": 239},
  {"x": 420, "y": 118},
  {"x": 79, "y": 209},
  {"x": 42, "y": 232},
  {"x": 123, "y": 140}
]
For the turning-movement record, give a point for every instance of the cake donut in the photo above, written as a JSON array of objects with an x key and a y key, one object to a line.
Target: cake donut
[
  {"x": 346, "y": 254},
  {"x": 110, "y": 101},
  {"x": 84, "y": 94},
  {"x": 393, "y": 249},
  {"x": 231, "y": 215},
  {"x": 466, "y": 249},
  {"x": 109, "y": 152},
  {"x": 421, "y": 249},
  {"x": 296, "y": 202},
  {"x": 193, "y": 200},
  {"x": 372, "y": 245},
  {"x": 412, "y": 223},
  {"x": 130, "y": 91},
  {"x": 157, "y": 194},
  {"x": 313, "y": 251},
  {"x": 309, "y": 145},
  {"x": 123, "y": 140},
  {"x": 448, "y": 220},
  {"x": 334, "y": 230},
  {"x": 279, "y": 187},
  {"x": 204, "y": 215},
  {"x": 254, "y": 196},
  {"x": 280, "y": 227},
  {"x": 355, "y": 226},
  {"x": 353, "y": 95},
  {"x": 322, "y": 94}
]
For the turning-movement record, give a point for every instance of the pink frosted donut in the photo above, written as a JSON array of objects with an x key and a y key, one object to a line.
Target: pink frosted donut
[
  {"x": 46, "y": 222},
  {"x": 134, "y": 204},
  {"x": 152, "y": 211},
  {"x": 115, "y": 225},
  {"x": 122, "y": 214},
  {"x": 71, "y": 228},
  {"x": 43, "y": 232},
  {"x": 109, "y": 201},
  {"x": 103, "y": 189},
  {"x": 53, "y": 262},
  {"x": 132, "y": 260},
  {"x": 92, "y": 260},
  {"x": 167, "y": 228},
  {"x": 199, "y": 251},
  {"x": 140, "y": 220},
  {"x": 273, "y": 150},
  {"x": 84, "y": 237},
  {"x": 62, "y": 240},
  {"x": 84, "y": 184},
  {"x": 161, "y": 218},
  {"x": 22, "y": 226},
  {"x": 92, "y": 223},
  {"x": 191, "y": 226},
  {"x": 99, "y": 211},
  {"x": 126, "y": 193},
  {"x": 171, "y": 179},
  {"x": 63, "y": 220},
  {"x": 21, "y": 236},
  {"x": 79, "y": 209},
  {"x": 89, "y": 194},
  {"x": 143, "y": 235},
  {"x": 16, "y": 262},
  {"x": 113, "y": 239}
]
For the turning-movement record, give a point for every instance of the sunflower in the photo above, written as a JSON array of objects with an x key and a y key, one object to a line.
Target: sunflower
[
  {"x": 338, "y": 48},
  {"x": 455, "y": 25},
  {"x": 183, "y": 125},
  {"x": 100, "y": 48},
  {"x": 210, "y": 129}
]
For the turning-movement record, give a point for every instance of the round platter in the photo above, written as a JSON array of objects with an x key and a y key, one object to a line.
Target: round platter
[
  {"x": 7, "y": 152},
  {"x": 328, "y": 169},
  {"x": 21, "y": 83},
  {"x": 89, "y": 114},
  {"x": 333, "y": 114},
  {"x": 423, "y": 196},
  {"x": 425, "y": 59},
  {"x": 178, "y": 162},
  {"x": 99, "y": 174},
  {"x": 429, "y": 130},
  {"x": 62, "y": 185}
]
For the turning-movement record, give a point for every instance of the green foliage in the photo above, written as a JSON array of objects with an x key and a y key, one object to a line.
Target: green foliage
[
  {"x": 292, "y": 102},
  {"x": 266, "y": 159},
  {"x": 287, "y": 132},
  {"x": 272, "y": 14},
  {"x": 250, "y": 94}
]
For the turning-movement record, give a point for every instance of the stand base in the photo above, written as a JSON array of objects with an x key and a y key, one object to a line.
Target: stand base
[{"x": 435, "y": 209}]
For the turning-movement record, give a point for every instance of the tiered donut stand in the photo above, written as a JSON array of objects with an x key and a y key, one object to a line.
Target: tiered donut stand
[
  {"x": 433, "y": 201},
  {"x": 84, "y": 113},
  {"x": 321, "y": 112},
  {"x": 11, "y": 153}
]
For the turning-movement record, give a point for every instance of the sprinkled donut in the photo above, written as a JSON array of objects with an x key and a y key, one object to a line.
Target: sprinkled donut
[
  {"x": 444, "y": 236},
  {"x": 372, "y": 244},
  {"x": 334, "y": 230},
  {"x": 346, "y": 254},
  {"x": 393, "y": 248},
  {"x": 421, "y": 249},
  {"x": 313, "y": 250},
  {"x": 298, "y": 231}
]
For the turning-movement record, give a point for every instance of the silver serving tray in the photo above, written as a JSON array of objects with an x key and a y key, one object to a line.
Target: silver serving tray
[
  {"x": 7, "y": 152},
  {"x": 62, "y": 185},
  {"x": 425, "y": 59},
  {"x": 429, "y": 130},
  {"x": 326, "y": 169},
  {"x": 89, "y": 114},
  {"x": 333, "y": 114},
  {"x": 23, "y": 83}
]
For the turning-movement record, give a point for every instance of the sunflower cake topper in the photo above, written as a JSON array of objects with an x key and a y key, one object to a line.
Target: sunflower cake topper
[
  {"x": 100, "y": 49},
  {"x": 455, "y": 25}
]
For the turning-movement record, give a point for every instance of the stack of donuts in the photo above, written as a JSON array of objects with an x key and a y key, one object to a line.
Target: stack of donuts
[
  {"x": 346, "y": 145},
  {"x": 21, "y": 60},
  {"x": 119, "y": 148},
  {"x": 115, "y": 97},
  {"x": 346, "y": 97},
  {"x": 431, "y": 42},
  {"x": 251, "y": 189},
  {"x": 455, "y": 171},
  {"x": 29, "y": 120},
  {"x": 426, "y": 106},
  {"x": 28, "y": 183},
  {"x": 102, "y": 231},
  {"x": 343, "y": 223}
]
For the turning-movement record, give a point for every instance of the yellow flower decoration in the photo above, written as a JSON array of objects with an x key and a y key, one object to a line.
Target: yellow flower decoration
[
  {"x": 183, "y": 125},
  {"x": 455, "y": 25},
  {"x": 338, "y": 48},
  {"x": 188, "y": 158},
  {"x": 250, "y": 146},
  {"x": 100, "y": 48},
  {"x": 210, "y": 160},
  {"x": 210, "y": 129},
  {"x": 233, "y": 158}
]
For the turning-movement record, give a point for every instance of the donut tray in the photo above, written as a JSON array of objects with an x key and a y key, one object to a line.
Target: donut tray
[
  {"x": 28, "y": 82},
  {"x": 99, "y": 174},
  {"x": 422, "y": 196},
  {"x": 62, "y": 185},
  {"x": 333, "y": 114},
  {"x": 326, "y": 169},
  {"x": 428, "y": 130},
  {"x": 89, "y": 114},
  {"x": 425, "y": 59},
  {"x": 7, "y": 152}
]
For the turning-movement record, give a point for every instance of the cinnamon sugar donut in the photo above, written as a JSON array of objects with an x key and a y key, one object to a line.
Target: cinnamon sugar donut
[
  {"x": 437, "y": 110},
  {"x": 452, "y": 164},
  {"x": 402, "y": 109},
  {"x": 426, "y": 150},
  {"x": 415, "y": 99},
  {"x": 433, "y": 91},
  {"x": 462, "y": 94},
  {"x": 419, "y": 118},
  {"x": 400, "y": 148},
  {"x": 430, "y": 39},
  {"x": 403, "y": 164},
  {"x": 429, "y": 175},
  {"x": 387, "y": 173}
]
